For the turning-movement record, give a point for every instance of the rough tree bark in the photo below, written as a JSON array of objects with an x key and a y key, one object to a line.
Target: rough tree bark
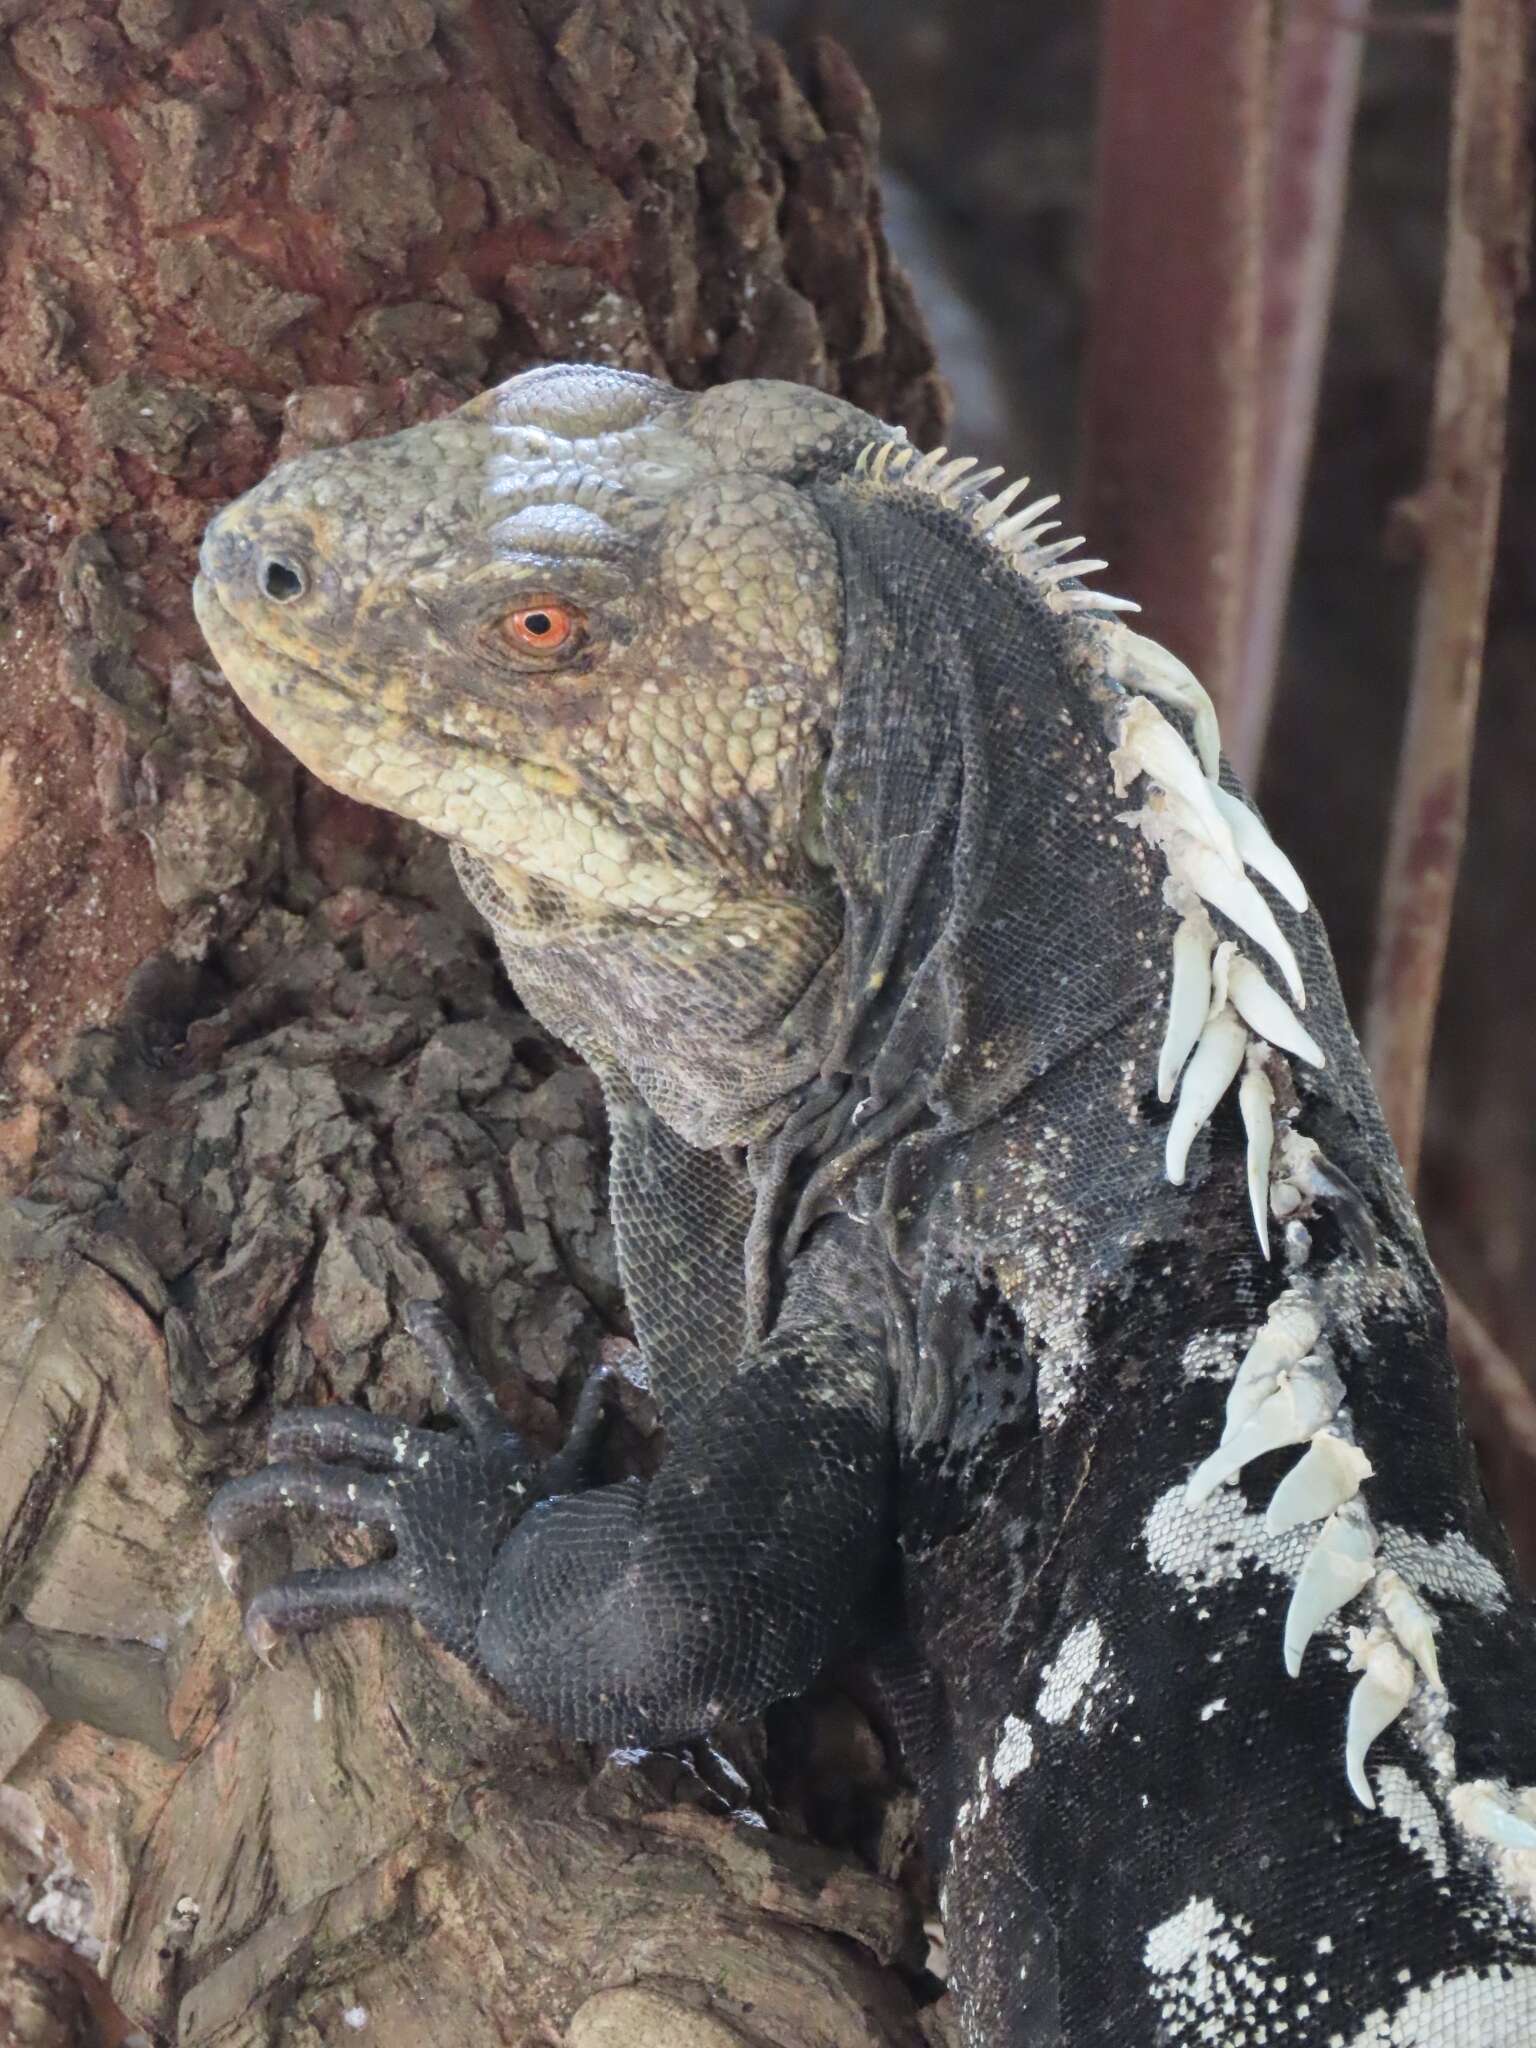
[{"x": 264, "y": 1080}]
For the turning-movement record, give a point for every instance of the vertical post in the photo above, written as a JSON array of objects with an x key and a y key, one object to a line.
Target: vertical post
[
  {"x": 1489, "y": 220},
  {"x": 1317, "y": 89},
  {"x": 1169, "y": 426}
]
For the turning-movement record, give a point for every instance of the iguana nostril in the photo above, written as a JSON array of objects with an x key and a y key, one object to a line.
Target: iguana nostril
[{"x": 282, "y": 581}]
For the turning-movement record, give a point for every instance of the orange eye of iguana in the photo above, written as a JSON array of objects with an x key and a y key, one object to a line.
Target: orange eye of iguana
[{"x": 543, "y": 628}]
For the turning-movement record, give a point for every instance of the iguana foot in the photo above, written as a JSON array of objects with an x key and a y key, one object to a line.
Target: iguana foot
[{"x": 447, "y": 1498}]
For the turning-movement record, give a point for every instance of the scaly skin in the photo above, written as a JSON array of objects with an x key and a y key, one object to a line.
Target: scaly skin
[
  {"x": 843, "y": 836},
  {"x": 660, "y": 770}
]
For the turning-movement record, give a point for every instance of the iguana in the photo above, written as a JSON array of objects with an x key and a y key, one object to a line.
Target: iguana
[{"x": 1009, "y": 1228}]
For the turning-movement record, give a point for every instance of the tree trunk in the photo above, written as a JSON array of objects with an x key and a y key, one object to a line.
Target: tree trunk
[{"x": 265, "y": 1082}]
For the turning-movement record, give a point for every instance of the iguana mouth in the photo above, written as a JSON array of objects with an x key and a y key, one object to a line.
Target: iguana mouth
[{"x": 241, "y": 651}]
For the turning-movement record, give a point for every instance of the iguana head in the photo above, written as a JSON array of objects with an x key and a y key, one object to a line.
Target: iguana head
[
  {"x": 585, "y": 628},
  {"x": 757, "y": 736}
]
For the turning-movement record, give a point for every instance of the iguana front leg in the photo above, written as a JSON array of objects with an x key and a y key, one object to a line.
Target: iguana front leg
[{"x": 616, "y": 1613}]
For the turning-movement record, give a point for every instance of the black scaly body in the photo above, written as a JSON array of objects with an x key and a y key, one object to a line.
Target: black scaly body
[{"x": 945, "y": 1328}]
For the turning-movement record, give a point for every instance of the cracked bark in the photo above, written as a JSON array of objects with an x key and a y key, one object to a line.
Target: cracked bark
[{"x": 264, "y": 1081}]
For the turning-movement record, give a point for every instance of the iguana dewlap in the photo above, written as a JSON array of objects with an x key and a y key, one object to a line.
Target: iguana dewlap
[{"x": 1005, "y": 1214}]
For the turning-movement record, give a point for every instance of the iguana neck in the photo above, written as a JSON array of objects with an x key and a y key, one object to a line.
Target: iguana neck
[{"x": 717, "y": 1021}]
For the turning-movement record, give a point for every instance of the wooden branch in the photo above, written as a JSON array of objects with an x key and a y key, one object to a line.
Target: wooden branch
[
  {"x": 1170, "y": 389},
  {"x": 1488, "y": 223},
  {"x": 1317, "y": 88}
]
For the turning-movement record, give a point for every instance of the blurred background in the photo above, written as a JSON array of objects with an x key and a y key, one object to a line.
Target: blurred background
[{"x": 988, "y": 122}]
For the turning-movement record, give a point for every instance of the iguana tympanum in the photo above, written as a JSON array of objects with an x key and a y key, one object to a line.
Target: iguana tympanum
[{"x": 1008, "y": 1225}]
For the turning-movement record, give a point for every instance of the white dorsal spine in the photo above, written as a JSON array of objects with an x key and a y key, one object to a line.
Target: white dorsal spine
[
  {"x": 1289, "y": 1332},
  {"x": 1411, "y": 1621},
  {"x": 1267, "y": 1014},
  {"x": 1327, "y": 1477},
  {"x": 1256, "y": 1102},
  {"x": 1211, "y": 1071},
  {"x": 893, "y": 461},
  {"x": 1189, "y": 997},
  {"x": 1303, "y": 1400},
  {"x": 1338, "y": 1568},
  {"x": 1258, "y": 850},
  {"x": 1148, "y": 745},
  {"x": 1487, "y": 1809},
  {"x": 1382, "y": 1692}
]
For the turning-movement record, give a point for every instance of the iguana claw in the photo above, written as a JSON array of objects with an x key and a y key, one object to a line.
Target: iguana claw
[{"x": 444, "y": 1500}]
